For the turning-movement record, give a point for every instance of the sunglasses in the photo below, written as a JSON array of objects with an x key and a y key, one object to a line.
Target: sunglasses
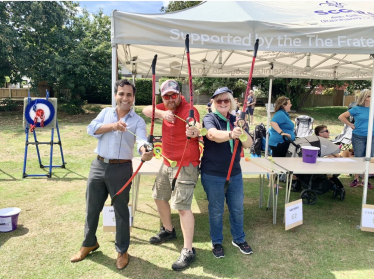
[
  {"x": 172, "y": 96},
  {"x": 226, "y": 101},
  {"x": 326, "y": 131}
]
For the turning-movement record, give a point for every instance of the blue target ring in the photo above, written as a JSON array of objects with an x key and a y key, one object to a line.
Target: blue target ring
[{"x": 49, "y": 111}]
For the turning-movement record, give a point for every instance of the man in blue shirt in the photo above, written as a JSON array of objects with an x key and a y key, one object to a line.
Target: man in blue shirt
[{"x": 112, "y": 169}]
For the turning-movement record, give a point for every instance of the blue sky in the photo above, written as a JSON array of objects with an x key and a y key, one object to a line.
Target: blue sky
[{"x": 146, "y": 7}]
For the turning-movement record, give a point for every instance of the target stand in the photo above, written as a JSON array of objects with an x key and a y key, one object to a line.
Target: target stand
[{"x": 41, "y": 113}]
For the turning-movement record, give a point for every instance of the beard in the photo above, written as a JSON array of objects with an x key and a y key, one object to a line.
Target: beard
[{"x": 172, "y": 105}]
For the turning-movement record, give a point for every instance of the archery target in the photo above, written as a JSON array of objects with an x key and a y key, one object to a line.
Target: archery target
[{"x": 49, "y": 108}]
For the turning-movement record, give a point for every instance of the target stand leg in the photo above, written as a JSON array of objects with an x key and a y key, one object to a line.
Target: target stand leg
[
  {"x": 37, "y": 149},
  {"x": 60, "y": 144},
  {"x": 24, "y": 175}
]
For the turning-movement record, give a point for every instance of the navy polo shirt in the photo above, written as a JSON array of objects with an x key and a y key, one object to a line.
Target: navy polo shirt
[{"x": 217, "y": 156}]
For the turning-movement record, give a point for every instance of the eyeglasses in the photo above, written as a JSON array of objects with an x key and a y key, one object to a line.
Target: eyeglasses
[
  {"x": 172, "y": 96},
  {"x": 226, "y": 101},
  {"x": 326, "y": 131}
]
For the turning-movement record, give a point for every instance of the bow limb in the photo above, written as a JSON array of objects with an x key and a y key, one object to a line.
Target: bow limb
[
  {"x": 242, "y": 116},
  {"x": 148, "y": 146},
  {"x": 191, "y": 117}
]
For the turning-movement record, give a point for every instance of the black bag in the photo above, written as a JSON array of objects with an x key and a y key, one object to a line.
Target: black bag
[{"x": 258, "y": 137}]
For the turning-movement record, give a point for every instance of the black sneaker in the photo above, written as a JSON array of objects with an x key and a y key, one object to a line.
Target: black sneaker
[
  {"x": 218, "y": 251},
  {"x": 184, "y": 260},
  {"x": 243, "y": 247},
  {"x": 163, "y": 236}
]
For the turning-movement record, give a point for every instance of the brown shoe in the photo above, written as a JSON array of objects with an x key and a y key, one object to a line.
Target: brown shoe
[
  {"x": 122, "y": 260},
  {"x": 83, "y": 252}
]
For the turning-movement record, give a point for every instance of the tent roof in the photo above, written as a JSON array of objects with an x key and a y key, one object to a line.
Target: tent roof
[{"x": 304, "y": 39}]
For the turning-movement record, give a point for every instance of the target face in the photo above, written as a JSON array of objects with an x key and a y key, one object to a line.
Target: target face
[
  {"x": 45, "y": 106},
  {"x": 157, "y": 149}
]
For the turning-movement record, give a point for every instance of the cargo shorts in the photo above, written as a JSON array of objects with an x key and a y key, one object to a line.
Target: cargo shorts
[{"x": 181, "y": 197}]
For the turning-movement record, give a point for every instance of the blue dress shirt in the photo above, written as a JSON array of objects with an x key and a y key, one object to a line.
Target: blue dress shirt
[{"x": 116, "y": 144}]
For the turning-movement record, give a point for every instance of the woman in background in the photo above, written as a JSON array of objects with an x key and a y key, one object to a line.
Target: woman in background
[
  {"x": 281, "y": 126},
  {"x": 360, "y": 129}
]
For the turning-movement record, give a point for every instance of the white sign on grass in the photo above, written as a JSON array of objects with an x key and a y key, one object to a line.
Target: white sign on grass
[
  {"x": 293, "y": 214},
  {"x": 367, "y": 218},
  {"x": 109, "y": 219}
]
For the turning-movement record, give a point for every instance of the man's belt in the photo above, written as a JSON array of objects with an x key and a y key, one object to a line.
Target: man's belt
[{"x": 113, "y": 161}]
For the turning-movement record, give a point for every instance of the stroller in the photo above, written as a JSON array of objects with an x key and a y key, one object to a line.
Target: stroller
[
  {"x": 315, "y": 184},
  {"x": 344, "y": 139},
  {"x": 303, "y": 126}
]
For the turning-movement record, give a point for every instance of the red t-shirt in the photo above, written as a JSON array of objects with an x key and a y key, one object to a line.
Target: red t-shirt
[{"x": 174, "y": 137}]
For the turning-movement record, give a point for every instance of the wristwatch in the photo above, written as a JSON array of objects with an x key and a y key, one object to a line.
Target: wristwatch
[{"x": 280, "y": 132}]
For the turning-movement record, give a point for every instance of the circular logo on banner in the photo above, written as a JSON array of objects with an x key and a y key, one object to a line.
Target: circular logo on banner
[{"x": 41, "y": 104}]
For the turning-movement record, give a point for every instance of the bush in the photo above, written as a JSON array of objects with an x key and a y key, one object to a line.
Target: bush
[
  {"x": 9, "y": 105},
  {"x": 73, "y": 107},
  {"x": 143, "y": 91}
]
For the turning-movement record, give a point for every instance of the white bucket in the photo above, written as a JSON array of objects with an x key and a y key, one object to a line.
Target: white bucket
[{"x": 9, "y": 219}]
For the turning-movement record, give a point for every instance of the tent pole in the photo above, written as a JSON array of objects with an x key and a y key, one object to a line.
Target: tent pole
[
  {"x": 268, "y": 111},
  {"x": 114, "y": 71},
  {"x": 369, "y": 141}
]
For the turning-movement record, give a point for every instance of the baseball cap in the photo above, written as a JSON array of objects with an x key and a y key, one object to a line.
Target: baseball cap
[
  {"x": 169, "y": 86},
  {"x": 221, "y": 90}
]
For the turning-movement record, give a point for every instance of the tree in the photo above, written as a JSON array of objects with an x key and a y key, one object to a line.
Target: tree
[
  {"x": 33, "y": 34},
  {"x": 178, "y": 5},
  {"x": 48, "y": 41},
  {"x": 87, "y": 71},
  {"x": 298, "y": 90}
]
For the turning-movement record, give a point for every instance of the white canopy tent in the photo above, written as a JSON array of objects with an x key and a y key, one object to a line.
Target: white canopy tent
[
  {"x": 303, "y": 39},
  {"x": 306, "y": 39}
]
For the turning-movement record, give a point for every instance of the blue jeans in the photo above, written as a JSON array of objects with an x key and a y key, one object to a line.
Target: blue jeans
[
  {"x": 214, "y": 188},
  {"x": 359, "y": 145}
]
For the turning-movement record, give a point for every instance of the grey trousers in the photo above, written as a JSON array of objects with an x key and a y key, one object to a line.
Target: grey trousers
[{"x": 107, "y": 179}]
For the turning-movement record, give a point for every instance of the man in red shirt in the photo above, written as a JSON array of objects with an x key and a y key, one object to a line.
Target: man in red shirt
[{"x": 174, "y": 132}]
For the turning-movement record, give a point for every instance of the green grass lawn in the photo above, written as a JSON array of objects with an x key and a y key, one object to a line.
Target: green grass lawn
[{"x": 50, "y": 226}]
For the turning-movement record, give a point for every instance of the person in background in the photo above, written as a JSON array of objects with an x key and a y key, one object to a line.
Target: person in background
[
  {"x": 237, "y": 105},
  {"x": 322, "y": 131},
  {"x": 208, "y": 106},
  {"x": 218, "y": 148},
  {"x": 360, "y": 129},
  {"x": 251, "y": 102},
  {"x": 112, "y": 168},
  {"x": 174, "y": 132},
  {"x": 281, "y": 126}
]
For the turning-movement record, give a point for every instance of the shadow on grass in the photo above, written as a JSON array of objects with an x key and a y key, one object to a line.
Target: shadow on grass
[
  {"x": 139, "y": 268},
  {"x": 64, "y": 177},
  {"x": 5, "y": 236},
  {"x": 12, "y": 178}
]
